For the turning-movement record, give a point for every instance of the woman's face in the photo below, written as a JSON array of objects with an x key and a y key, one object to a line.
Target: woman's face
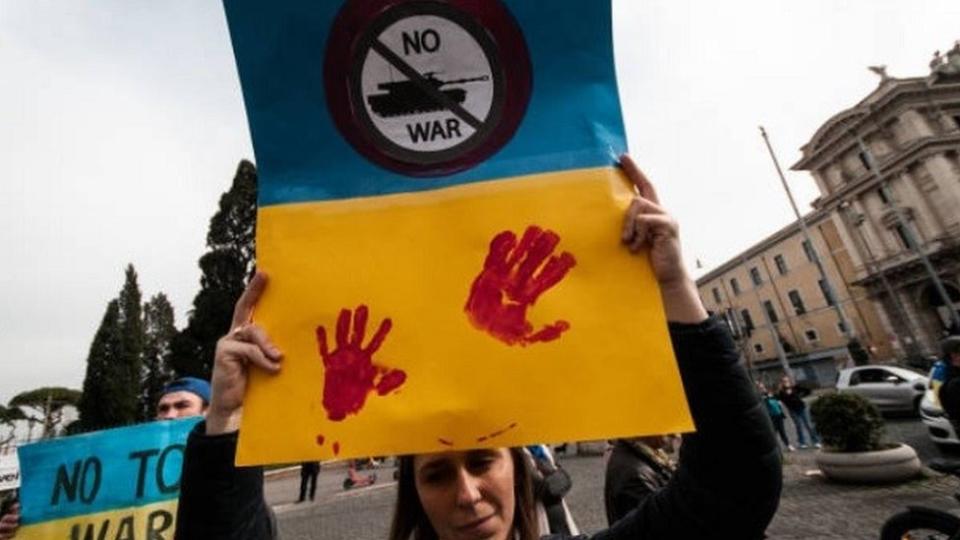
[{"x": 467, "y": 495}]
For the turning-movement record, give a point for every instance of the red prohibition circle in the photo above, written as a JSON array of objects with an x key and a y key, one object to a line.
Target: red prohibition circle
[{"x": 496, "y": 32}]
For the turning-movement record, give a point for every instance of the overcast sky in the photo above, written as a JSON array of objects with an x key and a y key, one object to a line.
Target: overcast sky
[{"x": 121, "y": 123}]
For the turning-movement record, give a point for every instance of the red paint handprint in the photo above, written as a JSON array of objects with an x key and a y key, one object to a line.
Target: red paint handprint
[
  {"x": 350, "y": 373},
  {"x": 510, "y": 283}
]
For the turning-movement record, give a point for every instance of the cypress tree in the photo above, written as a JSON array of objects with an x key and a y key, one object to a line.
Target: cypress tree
[
  {"x": 159, "y": 330},
  {"x": 225, "y": 268},
  {"x": 96, "y": 402},
  {"x": 128, "y": 370}
]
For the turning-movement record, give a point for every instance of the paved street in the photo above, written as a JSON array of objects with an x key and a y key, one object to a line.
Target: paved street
[{"x": 810, "y": 506}]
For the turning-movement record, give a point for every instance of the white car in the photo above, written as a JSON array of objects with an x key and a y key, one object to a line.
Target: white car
[
  {"x": 890, "y": 388},
  {"x": 931, "y": 414}
]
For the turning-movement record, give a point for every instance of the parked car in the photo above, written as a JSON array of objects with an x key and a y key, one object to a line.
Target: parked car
[
  {"x": 890, "y": 388},
  {"x": 939, "y": 427}
]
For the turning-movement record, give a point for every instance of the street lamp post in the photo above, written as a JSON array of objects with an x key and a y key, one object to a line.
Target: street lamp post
[{"x": 848, "y": 330}]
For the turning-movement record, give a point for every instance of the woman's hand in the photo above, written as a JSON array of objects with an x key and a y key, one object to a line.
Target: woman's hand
[
  {"x": 647, "y": 225},
  {"x": 246, "y": 345}
]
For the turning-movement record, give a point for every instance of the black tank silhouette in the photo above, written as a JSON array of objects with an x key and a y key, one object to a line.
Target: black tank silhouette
[{"x": 406, "y": 97}]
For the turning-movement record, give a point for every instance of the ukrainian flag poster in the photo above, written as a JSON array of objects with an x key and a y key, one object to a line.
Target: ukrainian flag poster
[{"x": 439, "y": 214}]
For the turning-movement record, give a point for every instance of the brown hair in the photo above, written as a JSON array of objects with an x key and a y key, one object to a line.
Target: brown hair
[{"x": 410, "y": 520}]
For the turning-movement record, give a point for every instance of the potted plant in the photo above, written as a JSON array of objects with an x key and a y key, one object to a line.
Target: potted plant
[{"x": 852, "y": 430}]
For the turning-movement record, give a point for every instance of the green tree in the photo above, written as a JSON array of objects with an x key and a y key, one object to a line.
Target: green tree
[
  {"x": 106, "y": 390},
  {"x": 225, "y": 268},
  {"x": 159, "y": 331},
  {"x": 45, "y": 406},
  {"x": 127, "y": 371}
]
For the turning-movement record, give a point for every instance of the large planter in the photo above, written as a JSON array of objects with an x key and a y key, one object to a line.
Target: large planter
[{"x": 895, "y": 464}]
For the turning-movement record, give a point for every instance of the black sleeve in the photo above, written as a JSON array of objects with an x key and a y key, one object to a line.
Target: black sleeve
[
  {"x": 628, "y": 496},
  {"x": 728, "y": 481},
  {"x": 217, "y": 499}
]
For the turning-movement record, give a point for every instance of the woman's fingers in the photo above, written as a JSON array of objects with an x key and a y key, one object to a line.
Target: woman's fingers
[
  {"x": 640, "y": 181},
  {"x": 243, "y": 310},
  {"x": 648, "y": 227},
  {"x": 252, "y": 333},
  {"x": 628, "y": 221},
  {"x": 634, "y": 231}
]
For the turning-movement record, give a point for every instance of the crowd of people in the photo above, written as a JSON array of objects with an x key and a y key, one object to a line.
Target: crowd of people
[{"x": 725, "y": 483}]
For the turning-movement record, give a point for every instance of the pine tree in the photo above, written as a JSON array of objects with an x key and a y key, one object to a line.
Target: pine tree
[
  {"x": 96, "y": 402},
  {"x": 159, "y": 330},
  {"x": 225, "y": 268}
]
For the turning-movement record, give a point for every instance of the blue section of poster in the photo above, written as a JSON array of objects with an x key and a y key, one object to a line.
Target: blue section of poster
[
  {"x": 573, "y": 119},
  {"x": 103, "y": 470}
]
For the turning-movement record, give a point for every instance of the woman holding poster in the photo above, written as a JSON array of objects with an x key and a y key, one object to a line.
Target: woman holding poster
[{"x": 727, "y": 484}]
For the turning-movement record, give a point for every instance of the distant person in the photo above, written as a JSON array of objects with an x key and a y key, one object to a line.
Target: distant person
[
  {"x": 184, "y": 397},
  {"x": 636, "y": 469},
  {"x": 792, "y": 396},
  {"x": 309, "y": 470},
  {"x": 777, "y": 415},
  {"x": 950, "y": 389},
  {"x": 550, "y": 484}
]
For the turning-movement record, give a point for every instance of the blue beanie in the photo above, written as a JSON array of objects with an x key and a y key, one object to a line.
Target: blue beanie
[{"x": 193, "y": 385}]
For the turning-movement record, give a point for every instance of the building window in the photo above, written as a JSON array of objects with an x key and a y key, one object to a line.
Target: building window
[
  {"x": 812, "y": 336},
  {"x": 730, "y": 317},
  {"x": 755, "y": 276},
  {"x": 781, "y": 264},
  {"x": 842, "y": 328},
  {"x": 956, "y": 120},
  {"x": 863, "y": 160},
  {"x": 747, "y": 320},
  {"x": 771, "y": 313},
  {"x": 827, "y": 296},
  {"x": 808, "y": 251},
  {"x": 758, "y": 347},
  {"x": 716, "y": 295},
  {"x": 882, "y": 193},
  {"x": 902, "y": 235},
  {"x": 797, "y": 302},
  {"x": 735, "y": 285}
]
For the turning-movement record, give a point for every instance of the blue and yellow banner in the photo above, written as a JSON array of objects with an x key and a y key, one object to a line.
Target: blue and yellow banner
[
  {"x": 117, "y": 483},
  {"x": 439, "y": 213}
]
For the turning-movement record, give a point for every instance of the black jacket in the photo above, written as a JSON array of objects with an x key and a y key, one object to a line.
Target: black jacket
[
  {"x": 632, "y": 476},
  {"x": 727, "y": 484}
]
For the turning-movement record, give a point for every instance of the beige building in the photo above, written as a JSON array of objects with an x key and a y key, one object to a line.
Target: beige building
[
  {"x": 773, "y": 293},
  {"x": 861, "y": 228},
  {"x": 910, "y": 129}
]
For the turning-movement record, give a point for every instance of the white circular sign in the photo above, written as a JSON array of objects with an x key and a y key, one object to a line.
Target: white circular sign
[{"x": 441, "y": 94}]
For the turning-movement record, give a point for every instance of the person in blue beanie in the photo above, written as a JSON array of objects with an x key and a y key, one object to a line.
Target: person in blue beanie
[{"x": 187, "y": 396}]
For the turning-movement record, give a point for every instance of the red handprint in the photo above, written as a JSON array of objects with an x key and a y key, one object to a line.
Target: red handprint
[
  {"x": 350, "y": 373},
  {"x": 507, "y": 286}
]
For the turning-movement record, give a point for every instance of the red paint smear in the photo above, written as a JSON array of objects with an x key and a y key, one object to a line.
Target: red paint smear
[
  {"x": 514, "y": 276},
  {"x": 497, "y": 433},
  {"x": 336, "y": 448},
  {"x": 350, "y": 374},
  {"x": 445, "y": 442},
  {"x": 320, "y": 440}
]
